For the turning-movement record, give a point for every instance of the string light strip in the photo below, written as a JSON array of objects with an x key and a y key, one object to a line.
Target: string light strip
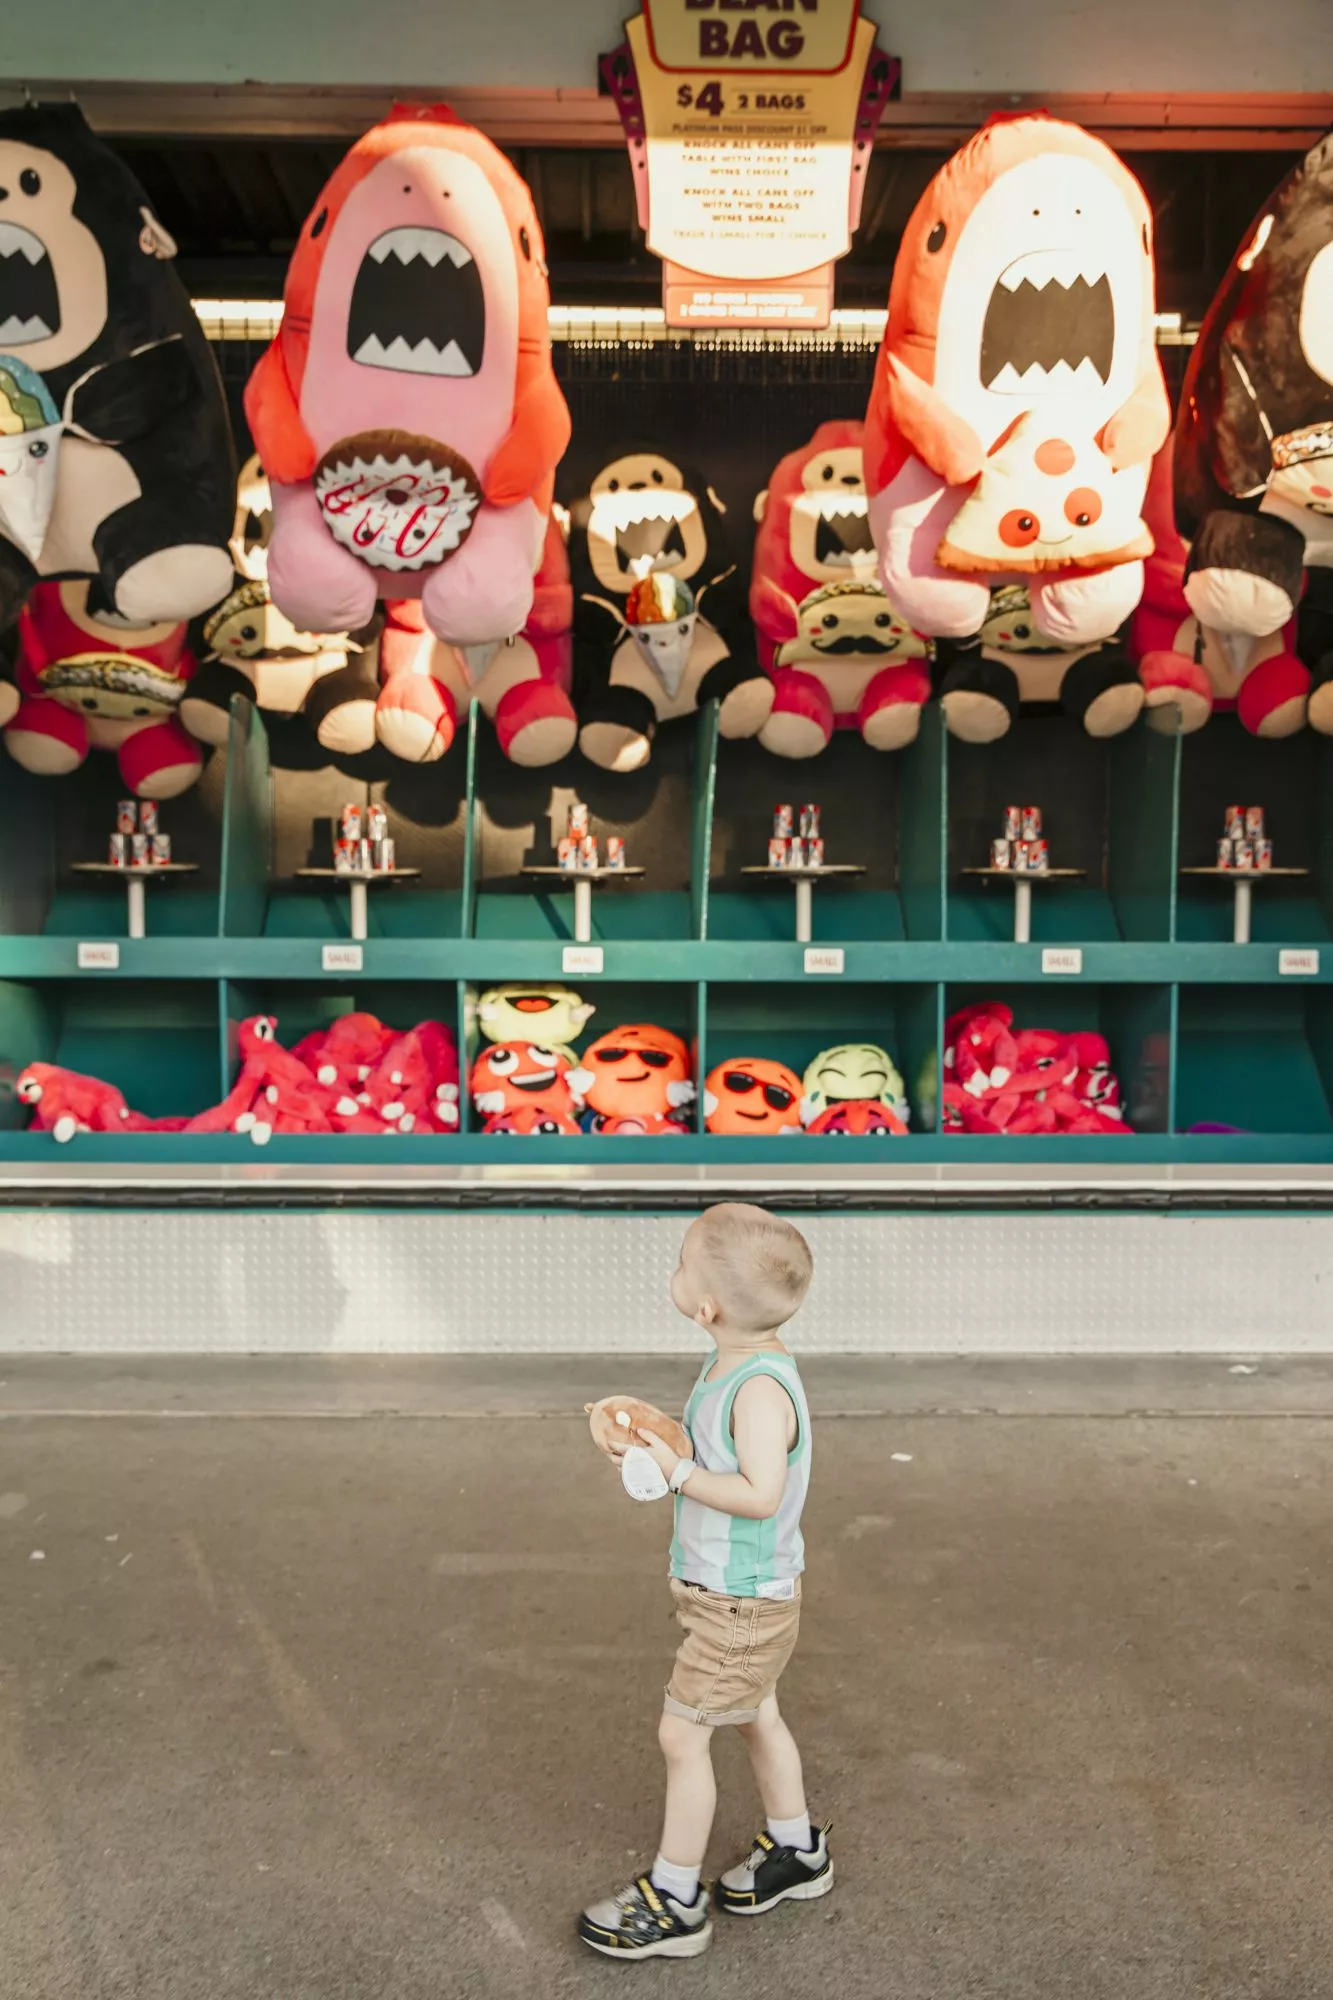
[{"x": 258, "y": 319}]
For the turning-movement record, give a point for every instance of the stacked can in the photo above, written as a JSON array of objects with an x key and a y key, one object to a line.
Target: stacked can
[
  {"x": 587, "y": 854},
  {"x": 567, "y": 854},
  {"x": 578, "y": 820},
  {"x": 1244, "y": 844},
  {"x": 159, "y": 850},
  {"x": 1021, "y": 848},
  {"x": 615, "y": 851},
  {"x": 809, "y": 822}
]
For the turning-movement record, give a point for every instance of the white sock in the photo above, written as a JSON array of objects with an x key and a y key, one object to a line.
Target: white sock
[
  {"x": 682, "y": 1883},
  {"x": 792, "y": 1833}
]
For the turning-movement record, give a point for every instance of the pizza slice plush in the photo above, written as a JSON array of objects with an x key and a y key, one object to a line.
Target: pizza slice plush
[{"x": 1043, "y": 502}]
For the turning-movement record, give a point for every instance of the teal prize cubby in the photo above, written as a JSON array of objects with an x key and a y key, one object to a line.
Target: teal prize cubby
[{"x": 1204, "y": 1032}]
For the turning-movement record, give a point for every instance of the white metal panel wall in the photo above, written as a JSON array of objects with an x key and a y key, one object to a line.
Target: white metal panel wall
[{"x": 92, "y": 1282}]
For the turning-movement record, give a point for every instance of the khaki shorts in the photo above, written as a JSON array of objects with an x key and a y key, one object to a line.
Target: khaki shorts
[{"x": 732, "y": 1655}]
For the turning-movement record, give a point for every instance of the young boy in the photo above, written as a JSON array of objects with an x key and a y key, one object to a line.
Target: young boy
[{"x": 736, "y": 1562}]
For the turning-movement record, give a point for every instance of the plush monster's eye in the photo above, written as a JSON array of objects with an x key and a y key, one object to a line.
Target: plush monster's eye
[
  {"x": 1017, "y": 529},
  {"x": 613, "y": 485},
  {"x": 935, "y": 240},
  {"x": 30, "y": 182},
  {"x": 828, "y": 472},
  {"x": 828, "y": 622},
  {"x": 1083, "y": 507},
  {"x": 502, "y": 1061},
  {"x": 657, "y": 477},
  {"x": 883, "y": 618},
  {"x": 525, "y": 244},
  {"x": 249, "y": 632},
  {"x": 317, "y": 226}
]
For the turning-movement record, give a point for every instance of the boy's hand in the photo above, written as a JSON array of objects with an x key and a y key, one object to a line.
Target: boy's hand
[{"x": 663, "y": 1455}]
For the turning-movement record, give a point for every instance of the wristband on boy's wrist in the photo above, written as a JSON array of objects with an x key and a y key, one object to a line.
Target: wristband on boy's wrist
[{"x": 680, "y": 1473}]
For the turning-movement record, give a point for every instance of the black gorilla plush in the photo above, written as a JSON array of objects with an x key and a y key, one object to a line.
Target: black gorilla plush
[
  {"x": 1254, "y": 435},
  {"x": 114, "y": 436},
  {"x": 647, "y": 539}
]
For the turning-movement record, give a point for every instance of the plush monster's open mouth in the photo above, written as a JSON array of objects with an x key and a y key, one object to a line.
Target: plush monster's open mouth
[
  {"x": 842, "y": 534},
  {"x": 649, "y": 544},
  {"x": 1050, "y": 325},
  {"x": 418, "y": 305},
  {"x": 29, "y": 298},
  {"x": 541, "y": 1079}
]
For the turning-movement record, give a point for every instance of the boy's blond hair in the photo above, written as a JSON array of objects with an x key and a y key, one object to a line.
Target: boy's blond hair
[{"x": 758, "y": 1266}]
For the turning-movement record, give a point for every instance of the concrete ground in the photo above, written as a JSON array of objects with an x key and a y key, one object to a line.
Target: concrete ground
[{"x": 340, "y": 1678}]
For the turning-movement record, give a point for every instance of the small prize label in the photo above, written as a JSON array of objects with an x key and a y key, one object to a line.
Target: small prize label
[
  {"x": 1298, "y": 964},
  {"x": 824, "y": 958},
  {"x": 1062, "y": 958},
  {"x": 583, "y": 958},
  {"x": 342, "y": 958},
  {"x": 99, "y": 958}
]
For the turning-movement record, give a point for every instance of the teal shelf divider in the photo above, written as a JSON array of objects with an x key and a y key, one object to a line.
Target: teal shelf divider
[
  {"x": 701, "y": 817},
  {"x": 247, "y": 825},
  {"x": 471, "y": 809},
  {"x": 26, "y": 830},
  {"x": 1143, "y": 831}
]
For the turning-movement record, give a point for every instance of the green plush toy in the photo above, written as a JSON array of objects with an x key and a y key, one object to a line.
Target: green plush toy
[
  {"x": 852, "y": 1071},
  {"x": 552, "y": 1015}
]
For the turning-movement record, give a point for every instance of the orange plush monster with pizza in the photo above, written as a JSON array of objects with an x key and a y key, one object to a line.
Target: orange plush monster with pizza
[
  {"x": 1018, "y": 402},
  {"x": 407, "y": 412}
]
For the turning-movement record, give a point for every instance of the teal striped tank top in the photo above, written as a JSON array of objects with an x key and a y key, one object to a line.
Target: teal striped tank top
[{"x": 741, "y": 1558}]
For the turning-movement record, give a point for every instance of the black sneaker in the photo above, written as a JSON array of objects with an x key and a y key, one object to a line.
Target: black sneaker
[
  {"x": 775, "y": 1875},
  {"x": 644, "y": 1922}
]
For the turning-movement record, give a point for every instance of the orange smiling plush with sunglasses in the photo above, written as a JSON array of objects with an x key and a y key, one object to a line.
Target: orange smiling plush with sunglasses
[
  {"x": 752, "y": 1096},
  {"x": 639, "y": 1072}
]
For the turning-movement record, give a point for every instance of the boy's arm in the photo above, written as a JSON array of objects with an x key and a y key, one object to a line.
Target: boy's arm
[{"x": 761, "y": 1416}]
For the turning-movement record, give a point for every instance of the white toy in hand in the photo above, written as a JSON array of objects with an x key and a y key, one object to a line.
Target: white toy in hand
[{"x": 641, "y": 1476}]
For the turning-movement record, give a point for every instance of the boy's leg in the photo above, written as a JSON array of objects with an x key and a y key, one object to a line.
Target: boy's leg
[
  {"x": 691, "y": 1800},
  {"x": 777, "y": 1769}
]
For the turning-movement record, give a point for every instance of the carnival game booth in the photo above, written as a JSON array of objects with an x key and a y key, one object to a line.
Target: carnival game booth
[{"x": 785, "y": 880}]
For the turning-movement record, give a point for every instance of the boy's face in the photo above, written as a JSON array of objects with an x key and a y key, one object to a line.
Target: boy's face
[{"x": 689, "y": 1290}]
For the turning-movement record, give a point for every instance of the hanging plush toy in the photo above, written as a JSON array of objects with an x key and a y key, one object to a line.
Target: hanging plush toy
[
  {"x": 407, "y": 411},
  {"x": 852, "y": 1072},
  {"x": 115, "y": 448},
  {"x": 1253, "y": 464},
  {"x": 255, "y": 651},
  {"x": 841, "y": 655},
  {"x": 1018, "y": 398},
  {"x": 634, "y": 1073},
  {"x": 752, "y": 1096},
  {"x": 86, "y": 683},
  {"x": 987, "y": 680},
  {"x": 551, "y": 1014},
  {"x": 649, "y": 538},
  {"x": 521, "y": 683},
  {"x": 1187, "y": 668}
]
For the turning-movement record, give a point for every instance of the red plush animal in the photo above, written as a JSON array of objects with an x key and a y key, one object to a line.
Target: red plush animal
[
  {"x": 64, "y": 1102},
  {"x": 840, "y": 655},
  {"x": 414, "y": 1088},
  {"x": 407, "y": 412},
  {"x": 87, "y": 683},
  {"x": 531, "y": 1120}
]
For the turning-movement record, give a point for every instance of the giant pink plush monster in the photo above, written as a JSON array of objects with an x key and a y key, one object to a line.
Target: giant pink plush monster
[
  {"x": 1018, "y": 399},
  {"x": 407, "y": 412}
]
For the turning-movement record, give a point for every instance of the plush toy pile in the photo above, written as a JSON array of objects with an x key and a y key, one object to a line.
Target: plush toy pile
[
  {"x": 851, "y": 1091},
  {"x": 356, "y": 1076},
  {"x": 635, "y": 1081},
  {"x": 1020, "y": 1081}
]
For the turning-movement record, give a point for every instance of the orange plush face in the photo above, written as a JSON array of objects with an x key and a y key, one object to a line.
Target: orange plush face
[
  {"x": 752, "y": 1097},
  {"x": 511, "y": 1075},
  {"x": 858, "y": 1118},
  {"x": 639, "y": 1071}
]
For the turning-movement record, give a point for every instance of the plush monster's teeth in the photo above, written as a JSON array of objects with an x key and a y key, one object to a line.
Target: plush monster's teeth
[
  {"x": 432, "y": 244},
  {"x": 423, "y": 359},
  {"x": 16, "y": 332},
  {"x": 15, "y": 241}
]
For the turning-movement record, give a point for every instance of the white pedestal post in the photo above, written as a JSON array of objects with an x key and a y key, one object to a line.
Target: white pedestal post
[
  {"x": 582, "y": 910},
  {"x": 805, "y": 907},
  {"x": 1022, "y": 910},
  {"x": 1244, "y": 900},
  {"x": 360, "y": 929},
  {"x": 138, "y": 928}
]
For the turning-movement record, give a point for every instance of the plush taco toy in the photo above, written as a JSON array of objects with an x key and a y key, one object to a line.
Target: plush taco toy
[
  {"x": 87, "y": 683},
  {"x": 407, "y": 411},
  {"x": 115, "y": 450},
  {"x": 1253, "y": 466},
  {"x": 1018, "y": 398},
  {"x": 841, "y": 655},
  {"x": 648, "y": 539}
]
